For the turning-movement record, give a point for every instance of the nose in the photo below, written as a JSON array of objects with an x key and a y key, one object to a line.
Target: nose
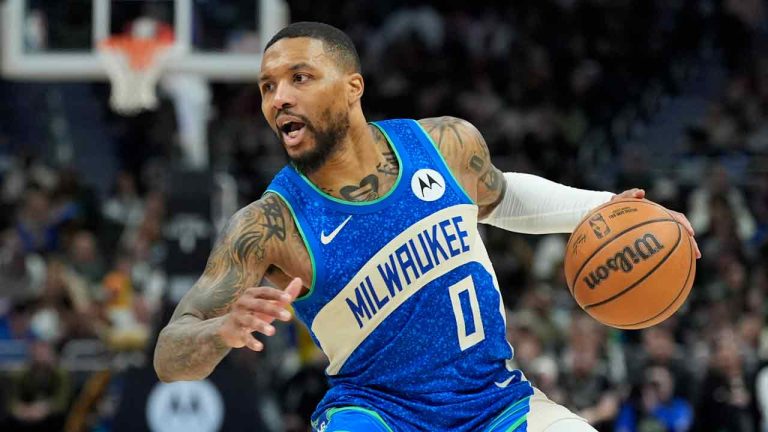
[{"x": 283, "y": 98}]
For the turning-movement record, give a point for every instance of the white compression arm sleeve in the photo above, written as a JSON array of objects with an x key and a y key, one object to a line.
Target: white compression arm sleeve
[{"x": 535, "y": 205}]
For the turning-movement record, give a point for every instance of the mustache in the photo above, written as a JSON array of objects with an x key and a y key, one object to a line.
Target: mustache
[{"x": 304, "y": 119}]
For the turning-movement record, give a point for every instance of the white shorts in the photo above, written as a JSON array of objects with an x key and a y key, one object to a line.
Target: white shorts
[{"x": 547, "y": 416}]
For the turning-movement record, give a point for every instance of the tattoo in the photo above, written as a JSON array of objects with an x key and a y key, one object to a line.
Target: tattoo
[
  {"x": 466, "y": 153},
  {"x": 275, "y": 223},
  {"x": 190, "y": 352},
  {"x": 446, "y": 129},
  {"x": 251, "y": 243},
  {"x": 476, "y": 163},
  {"x": 390, "y": 166},
  {"x": 244, "y": 239},
  {"x": 189, "y": 347},
  {"x": 390, "y": 157},
  {"x": 367, "y": 190},
  {"x": 491, "y": 179}
]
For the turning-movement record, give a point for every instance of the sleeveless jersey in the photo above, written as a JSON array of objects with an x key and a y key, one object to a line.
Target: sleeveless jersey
[{"x": 404, "y": 301}]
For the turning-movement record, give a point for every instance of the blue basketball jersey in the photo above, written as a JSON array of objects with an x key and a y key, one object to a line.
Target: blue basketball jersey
[{"x": 404, "y": 301}]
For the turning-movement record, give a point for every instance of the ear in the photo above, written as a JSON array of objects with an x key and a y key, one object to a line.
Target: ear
[{"x": 355, "y": 87}]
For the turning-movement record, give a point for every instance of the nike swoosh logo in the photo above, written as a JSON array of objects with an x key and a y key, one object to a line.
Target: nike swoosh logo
[
  {"x": 325, "y": 239},
  {"x": 510, "y": 367},
  {"x": 504, "y": 383}
]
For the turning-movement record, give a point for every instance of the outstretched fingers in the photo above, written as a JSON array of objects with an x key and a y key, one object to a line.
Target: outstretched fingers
[
  {"x": 251, "y": 324},
  {"x": 267, "y": 310},
  {"x": 252, "y": 343},
  {"x": 294, "y": 289},
  {"x": 682, "y": 220},
  {"x": 258, "y": 307}
]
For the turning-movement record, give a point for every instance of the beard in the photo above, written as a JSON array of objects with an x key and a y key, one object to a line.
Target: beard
[{"x": 327, "y": 141}]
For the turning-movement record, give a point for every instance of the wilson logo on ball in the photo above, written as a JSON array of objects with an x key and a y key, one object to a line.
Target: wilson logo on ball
[{"x": 625, "y": 260}]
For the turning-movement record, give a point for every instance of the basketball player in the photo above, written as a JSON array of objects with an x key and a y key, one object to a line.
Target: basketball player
[{"x": 371, "y": 233}]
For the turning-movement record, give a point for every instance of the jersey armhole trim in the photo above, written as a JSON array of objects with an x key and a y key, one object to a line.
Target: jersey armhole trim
[
  {"x": 374, "y": 414},
  {"x": 511, "y": 410},
  {"x": 517, "y": 424},
  {"x": 303, "y": 239},
  {"x": 444, "y": 162}
]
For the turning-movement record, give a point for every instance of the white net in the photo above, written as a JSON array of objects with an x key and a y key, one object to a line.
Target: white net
[{"x": 134, "y": 64}]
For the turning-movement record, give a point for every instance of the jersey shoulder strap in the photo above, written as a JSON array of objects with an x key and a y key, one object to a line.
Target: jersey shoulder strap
[{"x": 411, "y": 139}]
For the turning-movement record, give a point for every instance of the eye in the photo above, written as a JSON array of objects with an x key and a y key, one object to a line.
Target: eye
[
  {"x": 267, "y": 87},
  {"x": 301, "y": 78}
]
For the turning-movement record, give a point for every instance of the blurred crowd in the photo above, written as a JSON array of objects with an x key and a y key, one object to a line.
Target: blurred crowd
[
  {"x": 79, "y": 278},
  {"x": 82, "y": 286}
]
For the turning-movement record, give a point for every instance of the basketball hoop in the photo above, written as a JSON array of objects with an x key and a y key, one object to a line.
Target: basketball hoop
[{"x": 134, "y": 62}]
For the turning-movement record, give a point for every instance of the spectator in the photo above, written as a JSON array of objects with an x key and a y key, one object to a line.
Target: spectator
[
  {"x": 717, "y": 188},
  {"x": 659, "y": 348},
  {"x": 656, "y": 408},
  {"x": 39, "y": 224},
  {"x": 585, "y": 380},
  {"x": 726, "y": 401},
  {"x": 85, "y": 259},
  {"x": 543, "y": 372},
  {"x": 21, "y": 273},
  {"x": 39, "y": 393},
  {"x": 124, "y": 210},
  {"x": 524, "y": 337},
  {"x": 123, "y": 309}
]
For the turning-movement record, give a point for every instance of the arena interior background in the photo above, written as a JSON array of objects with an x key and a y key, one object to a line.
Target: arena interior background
[{"x": 105, "y": 219}]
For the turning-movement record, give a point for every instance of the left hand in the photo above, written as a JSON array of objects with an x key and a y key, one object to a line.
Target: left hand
[{"x": 679, "y": 217}]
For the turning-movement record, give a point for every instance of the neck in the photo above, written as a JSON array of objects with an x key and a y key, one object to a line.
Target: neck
[{"x": 356, "y": 158}]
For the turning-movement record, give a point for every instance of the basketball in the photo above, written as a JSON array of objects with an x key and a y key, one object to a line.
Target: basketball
[{"x": 629, "y": 264}]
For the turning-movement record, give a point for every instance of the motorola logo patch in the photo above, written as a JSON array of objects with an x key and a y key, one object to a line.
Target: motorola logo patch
[
  {"x": 428, "y": 184},
  {"x": 185, "y": 406}
]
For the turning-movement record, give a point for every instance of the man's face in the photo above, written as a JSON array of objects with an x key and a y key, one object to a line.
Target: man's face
[
  {"x": 304, "y": 100},
  {"x": 659, "y": 381}
]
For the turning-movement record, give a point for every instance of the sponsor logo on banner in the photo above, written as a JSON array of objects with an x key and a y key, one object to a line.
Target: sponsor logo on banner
[
  {"x": 185, "y": 406},
  {"x": 188, "y": 229}
]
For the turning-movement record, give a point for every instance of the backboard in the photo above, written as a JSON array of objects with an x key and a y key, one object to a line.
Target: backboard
[{"x": 222, "y": 41}]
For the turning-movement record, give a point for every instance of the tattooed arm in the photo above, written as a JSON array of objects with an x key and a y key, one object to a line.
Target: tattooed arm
[
  {"x": 534, "y": 205},
  {"x": 513, "y": 201},
  {"x": 466, "y": 154},
  {"x": 225, "y": 305}
]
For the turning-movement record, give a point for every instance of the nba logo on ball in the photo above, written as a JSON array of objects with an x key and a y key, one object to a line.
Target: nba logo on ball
[
  {"x": 428, "y": 185},
  {"x": 599, "y": 226}
]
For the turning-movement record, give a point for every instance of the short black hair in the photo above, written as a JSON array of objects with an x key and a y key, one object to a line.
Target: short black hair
[{"x": 335, "y": 41}]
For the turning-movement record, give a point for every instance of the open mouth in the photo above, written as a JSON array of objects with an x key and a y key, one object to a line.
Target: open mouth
[{"x": 292, "y": 132}]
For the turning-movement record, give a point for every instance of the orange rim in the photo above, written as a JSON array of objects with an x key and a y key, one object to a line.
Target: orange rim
[{"x": 140, "y": 52}]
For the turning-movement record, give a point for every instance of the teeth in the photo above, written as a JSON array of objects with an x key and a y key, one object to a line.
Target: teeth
[{"x": 292, "y": 134}]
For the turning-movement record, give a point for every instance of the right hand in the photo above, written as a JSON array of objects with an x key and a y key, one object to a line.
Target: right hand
[{"x": 255, "y": 310}]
